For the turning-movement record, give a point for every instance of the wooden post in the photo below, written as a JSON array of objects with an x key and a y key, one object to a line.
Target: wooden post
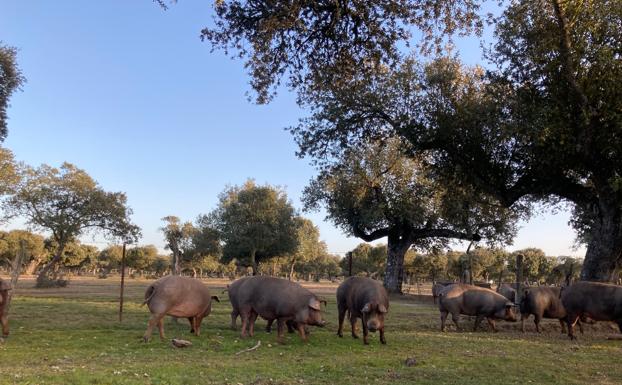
[
  {"x": 519, "y": 278},
  {"x": 16, "y": 270},
  {"x": 122, "y": 284},
  {"x": 349, "y": 254}
]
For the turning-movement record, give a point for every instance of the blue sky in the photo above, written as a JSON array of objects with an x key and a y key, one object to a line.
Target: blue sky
[{"x": 129, "y": 93}]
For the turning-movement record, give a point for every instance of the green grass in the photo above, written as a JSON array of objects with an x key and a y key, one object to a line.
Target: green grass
[{"x": 72, "y": 336}]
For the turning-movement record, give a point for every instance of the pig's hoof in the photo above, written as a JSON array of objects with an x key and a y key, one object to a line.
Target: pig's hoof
[
  {"x": 145, "y": 339},
  {"x": 365, "y": 342},
  {"x": 384, "y": 342},
  {"x": 340, "y": 335},
  {"x": 355, "y": 336}
]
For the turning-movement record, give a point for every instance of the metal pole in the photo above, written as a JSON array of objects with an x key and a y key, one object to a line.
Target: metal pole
[{"x": 122, "y": 284}]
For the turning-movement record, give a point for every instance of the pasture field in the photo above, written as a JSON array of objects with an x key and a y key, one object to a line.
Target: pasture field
[{"x": 72, "y": 336}]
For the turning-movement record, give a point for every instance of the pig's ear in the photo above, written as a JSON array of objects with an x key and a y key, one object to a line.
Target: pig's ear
[
  {"x": 215, "y": 298},
  {"x": 365, "y": 308},
  {"x": 314, "y": 304},
  {"x": 382, "y": 308}
]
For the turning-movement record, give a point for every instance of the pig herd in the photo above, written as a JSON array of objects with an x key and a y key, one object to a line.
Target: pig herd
[
  {"x": 273, "y": 299},
  {"x": 297, "y": 308}
]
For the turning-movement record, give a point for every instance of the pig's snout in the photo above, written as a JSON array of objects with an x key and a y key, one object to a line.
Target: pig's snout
[
  {"x": 321, "y": 324},
  {"x": 372, "y": 326}
]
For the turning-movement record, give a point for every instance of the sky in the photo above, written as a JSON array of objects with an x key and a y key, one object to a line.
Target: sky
[{"x": 129, "y": 93}]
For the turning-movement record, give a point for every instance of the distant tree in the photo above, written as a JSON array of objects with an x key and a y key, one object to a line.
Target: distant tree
[
  {"x": 309, "y": 247},
  {"x": 110, "y": 258},
  {"x": 68, "y": 202},
  {"x": 141, "y": 257},
  {"x": 160, "y": 265},
  {"x": 375, "y": 191},
  {"x": 10, "y": 245},
  {"x": 255, "y": 223},
  {"x": 532, "y": 259},
  {"x": 75, "y": 254},
  {"x": 178, "y": 238},
  {"x": 367, "y": 260},
  {"x": 11, "y": 79}
]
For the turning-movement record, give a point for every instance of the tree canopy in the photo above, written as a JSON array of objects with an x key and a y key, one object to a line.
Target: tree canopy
[
  {"x": 255, "y": 223},
  {"x": 11, "y": 79},
  {"x": 375, "y": 190},
  {"x": 67, "y": 202}
]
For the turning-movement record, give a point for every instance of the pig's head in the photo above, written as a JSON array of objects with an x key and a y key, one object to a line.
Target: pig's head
[
  {"x": 312, "y": 315},
  {"x": 507, "y": 312},
  {"x": 374, "y": 315}
]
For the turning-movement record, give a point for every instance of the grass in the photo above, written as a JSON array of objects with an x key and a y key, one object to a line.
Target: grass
[{"x": 72, "y": 336}]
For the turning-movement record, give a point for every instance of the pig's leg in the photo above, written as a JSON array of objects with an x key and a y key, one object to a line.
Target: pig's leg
[
  {"x": 580, "y": 326},
  {"x": 491, "y": 322},
  {"x": 153, "y": 321},
  {"x": 456, "y": 317},
  {"x": 536, "y": 320},
  {"x": 443, "y": 319},
  {"x": 478, "y": 320},
  {"x": 234, "y": 315},
  {"x": 523, "y": 318},
  {"x": 353, "y": 324},
  {"x": 571, "y": 320},
  {"x": 191, "y": 320},
  {"x": 244, "y": 316},
  {"x": 365, "y": 330},
  {"x": 562, "y": 323},
  {"x": 269, "y": 326},
  {"x": 251, "y": 323},
  {"x": 342, "y": 315},
  {"x": 4, "y": 320},
  {"x": 619, "y": 322},
  {"x": 280, "y": 326},
  {"x": 382, "y": 339},
  {"x": 197, "y": 325},
  {"x": 291, "y": 327},
  {"x": 301, "y": 331},
  {"x": 161, "y": 328}
]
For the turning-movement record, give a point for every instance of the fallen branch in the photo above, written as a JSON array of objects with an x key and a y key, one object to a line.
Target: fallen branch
[{"x": 249, "y": 349}]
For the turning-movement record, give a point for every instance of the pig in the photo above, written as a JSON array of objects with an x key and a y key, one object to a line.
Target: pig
[
  {"x": 594, "y": 300},
  {"x": 474, "y": 301},
  {"x": 5, "y": 287},
  {"x": 363, "y": 298},
  {"x": 234, "y": 291},
  {"x": 507, "y": 291},
  {"x": 543, "y": 302},
  {"x": 280, "y": 299},
  {"x": 179, "y": 297},
  {"x": 436, "y": 288}
]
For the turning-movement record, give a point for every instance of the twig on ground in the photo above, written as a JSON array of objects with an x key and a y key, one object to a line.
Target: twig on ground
[{"x": 249, "y": 349}]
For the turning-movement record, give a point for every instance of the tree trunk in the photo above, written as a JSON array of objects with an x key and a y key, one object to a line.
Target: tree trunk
[
  {"x": 291, "y": 270},
  {"x": 51, "y": 265},
  {"x": 604, "y": 250},
  {"x": 177, "y": 265},
  {"x": 32, "y": 266},
  {"x": 254, "y": 262},
  {"x": 397, "y": 247}
]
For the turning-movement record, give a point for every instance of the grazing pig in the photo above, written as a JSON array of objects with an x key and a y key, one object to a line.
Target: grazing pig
[
  {"x": 474, "y": 301},
  {"x": 542, "y": 302},
  {"x": 507, "y": 291},
  {"x": 366, "y": 299},
  {"x": 235, "y": 296},
  {"x": 179, "y": 297},
  {"x": 280, "y": 299},
  {"x": 595, "y": 300},
  {"x": 5, "y": 286}
]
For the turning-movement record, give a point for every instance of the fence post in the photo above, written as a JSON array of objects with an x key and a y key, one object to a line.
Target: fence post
[
  {"x": 519, "y": 278},
  {"x": 122, "y": 284}
]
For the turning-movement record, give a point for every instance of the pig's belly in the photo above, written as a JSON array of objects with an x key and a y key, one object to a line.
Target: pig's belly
[{"x": 184, "y": 311}]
